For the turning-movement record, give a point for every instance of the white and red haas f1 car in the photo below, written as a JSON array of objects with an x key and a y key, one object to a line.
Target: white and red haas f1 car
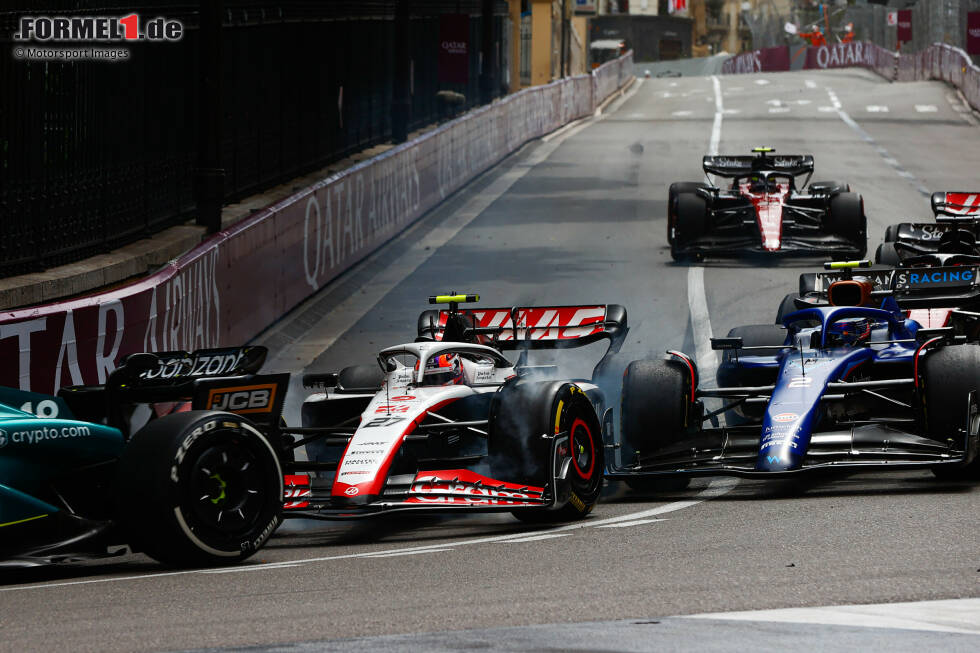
[
  {"x": 762, "y": 211},
  {"x": 448, "y": 423}
]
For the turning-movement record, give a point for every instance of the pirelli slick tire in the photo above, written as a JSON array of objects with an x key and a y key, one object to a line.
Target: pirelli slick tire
[
  {"x": 787, "y": 306},
  {"x": 691, "y": 223},
  {"x": 891, "y": 233},
  {"x": 656, "y": 402},
  {"x": 200, "y": 488},
  {"x": 731, "y": 373},
  {"x": 948, "y": 376},
  {"x": 672, "y": 194},
  {"x": 887, "y": 254},
  {"x": 847, "y": 220},
  {"x": 360, "y": 379},
  {"x": 526, "y": 419}
]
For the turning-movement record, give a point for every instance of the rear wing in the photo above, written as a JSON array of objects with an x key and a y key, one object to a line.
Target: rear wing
[
  {"x": 929, "y": 287},
  {"x": 955, "y": 206},
  {"x": 533, "y": 327},
  {"x": 174, "y": 366},
  {"x": 740, "y": 166},
  {"x": 819, "y": 282},
  {"x": 224, "y": 379}
]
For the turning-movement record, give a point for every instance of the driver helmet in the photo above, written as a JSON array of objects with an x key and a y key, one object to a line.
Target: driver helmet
[
  {"x": 849, "y": 332},
  {"x": 444, "y": 369},
  {"x": 759, "y": 184}
]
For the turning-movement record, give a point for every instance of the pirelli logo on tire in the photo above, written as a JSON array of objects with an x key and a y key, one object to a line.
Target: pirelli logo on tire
[{"x": 258, "y": 398}]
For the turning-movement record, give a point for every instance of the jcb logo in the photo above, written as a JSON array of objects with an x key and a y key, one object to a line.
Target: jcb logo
[{"x": 243, "y": 399}]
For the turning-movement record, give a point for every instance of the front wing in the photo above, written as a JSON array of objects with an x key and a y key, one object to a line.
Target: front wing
[
  {"x": 439, "y": 490},
  {"x": 733, "y": 451}
]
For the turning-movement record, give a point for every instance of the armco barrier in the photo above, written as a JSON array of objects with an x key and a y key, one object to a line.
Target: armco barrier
[
  {"x": 758, "y": 61},
  {"x": 239, "y": 281}
]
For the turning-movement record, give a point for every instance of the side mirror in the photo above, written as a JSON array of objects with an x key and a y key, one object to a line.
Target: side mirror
[
  {"x": 326, "y": 380},
  {"x": 726, "y": 343}
]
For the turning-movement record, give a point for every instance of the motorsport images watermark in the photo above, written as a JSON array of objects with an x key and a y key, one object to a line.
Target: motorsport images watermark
[{"x": 41, "y": 32}]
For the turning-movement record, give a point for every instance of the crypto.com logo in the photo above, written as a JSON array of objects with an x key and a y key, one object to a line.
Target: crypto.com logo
[
  {"x": 3, "y": 438},
  {"x": 74, "y": 29}
]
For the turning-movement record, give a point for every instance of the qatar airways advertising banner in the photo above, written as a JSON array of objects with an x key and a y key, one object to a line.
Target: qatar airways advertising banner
[
  {"x": 454, "y": 48},
  {"x": 904, "y": 25},
  {"x": 973, "y": 32},
  {"x": 758, "y": 61}
]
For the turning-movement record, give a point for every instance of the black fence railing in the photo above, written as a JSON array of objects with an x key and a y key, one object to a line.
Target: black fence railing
[{"x": 94, "y": 155}]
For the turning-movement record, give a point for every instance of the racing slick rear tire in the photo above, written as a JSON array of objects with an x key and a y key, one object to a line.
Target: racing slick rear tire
[
  {"x": 949, "y": 375},
  {"x": 520, "y": 417},
  {"x": 887, "y": 254},
  {"x": 848, "y": 221},
  {"x": 732, "y": 374},
  {"x": 787, "y": 306},
  {"x": 200, "y": 488},
  {"x": 361, "y": 379},
  {"x": 691, "y": 222},
  {"x": 656, "y": 404},
  {"x": 672, "y": 193}
]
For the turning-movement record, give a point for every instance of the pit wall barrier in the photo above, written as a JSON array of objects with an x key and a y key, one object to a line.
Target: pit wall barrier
[{"x": 241, "y": 280}]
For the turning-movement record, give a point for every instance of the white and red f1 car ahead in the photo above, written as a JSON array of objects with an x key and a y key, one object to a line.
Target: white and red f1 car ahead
[
  {"x": 448, "y": 423},
  {"x": 763, "y": 210}
]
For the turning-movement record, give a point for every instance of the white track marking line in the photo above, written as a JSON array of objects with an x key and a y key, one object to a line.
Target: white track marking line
[
  {"x": 719, "y": 110},
  {"x": 778, "y": 109},
  {"x": 810, "y": 83},
  {"x": 681, "y": 113},
  {"x": 948, "y": 616},
  {"x": 869, "y": 139},
  {"x": 716, "y": 488},
  {"x": 636, "y": 522},
  {"x": 876, "y": 108},
  {"x": 536, "y": 538},
  {"x": 762, "y": 82},
  {"x": 403, "y": 553},
  {"x": 697, "y": 303},
  {"x": 957, "y": 102},
  {"x": 349, "y": 311},
  {"x": 926, "y": 108}
]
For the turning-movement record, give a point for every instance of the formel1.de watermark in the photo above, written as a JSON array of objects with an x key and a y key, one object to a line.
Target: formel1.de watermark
[{"x": 61, "y": 38}]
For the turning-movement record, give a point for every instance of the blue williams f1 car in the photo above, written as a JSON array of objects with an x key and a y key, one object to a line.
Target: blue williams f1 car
[
  {"x": 98, "y": 467},
  {"x": 839, "y": 387}
]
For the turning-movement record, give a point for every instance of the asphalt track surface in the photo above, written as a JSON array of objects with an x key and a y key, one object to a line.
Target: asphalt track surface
[{"x": 580, "y": 218}]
